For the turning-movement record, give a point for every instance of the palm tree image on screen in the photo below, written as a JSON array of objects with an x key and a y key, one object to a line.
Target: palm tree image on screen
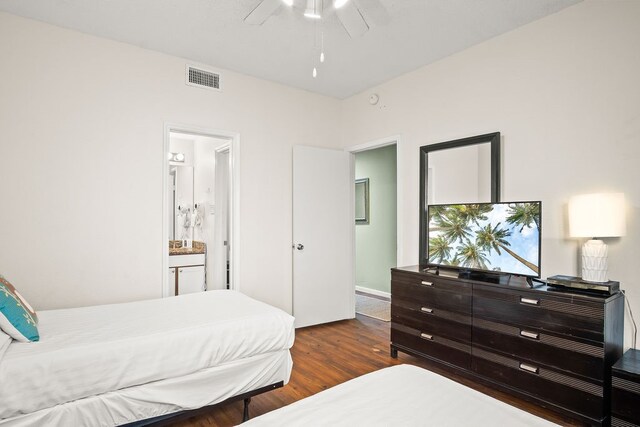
[{"x": 496, "y": 237}]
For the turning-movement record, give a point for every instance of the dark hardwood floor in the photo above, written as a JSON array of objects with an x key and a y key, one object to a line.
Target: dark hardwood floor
[{"x": 330, "y": 354}]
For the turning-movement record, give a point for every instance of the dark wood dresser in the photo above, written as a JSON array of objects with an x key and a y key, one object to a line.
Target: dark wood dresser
[
  {"x": 550, "y": 347},
  {"x": 625, "y": 391}
]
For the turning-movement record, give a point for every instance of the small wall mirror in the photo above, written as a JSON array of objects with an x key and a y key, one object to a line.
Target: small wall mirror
[
  {"x": 362, "y": 201},
  {"x": 461, "y": 171}
]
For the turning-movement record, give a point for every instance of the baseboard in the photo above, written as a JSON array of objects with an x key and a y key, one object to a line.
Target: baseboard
[{"x": 386, "y": 295}]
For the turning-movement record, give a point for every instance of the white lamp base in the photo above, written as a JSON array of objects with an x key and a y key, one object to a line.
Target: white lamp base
[{"x": 594, "y": 261}]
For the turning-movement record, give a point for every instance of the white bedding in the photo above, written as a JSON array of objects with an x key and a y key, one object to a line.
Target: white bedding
[
  {"x": 5, "y": 340},
  {"x": 202, "y": 388},
  {"x": 90, "y": 351},
  {"x": 402, "y": 395}
]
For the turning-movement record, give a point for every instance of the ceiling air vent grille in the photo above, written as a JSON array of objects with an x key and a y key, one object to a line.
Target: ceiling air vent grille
[{"x": 202, "y": 78}]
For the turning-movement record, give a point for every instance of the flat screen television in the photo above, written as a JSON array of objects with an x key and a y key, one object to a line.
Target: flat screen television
[{"x": 486, "y": 237}]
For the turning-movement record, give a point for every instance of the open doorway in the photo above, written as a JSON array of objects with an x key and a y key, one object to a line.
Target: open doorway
[
  {"x": 376, "y": 231},
  {"x": 200, "y": 214}
]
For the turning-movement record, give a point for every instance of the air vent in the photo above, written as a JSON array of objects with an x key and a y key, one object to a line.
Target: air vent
[{"x": 202, "y": 78}]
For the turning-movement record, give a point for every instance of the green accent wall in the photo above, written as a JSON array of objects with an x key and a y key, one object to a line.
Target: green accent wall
[{"x": 376, "y": 241}]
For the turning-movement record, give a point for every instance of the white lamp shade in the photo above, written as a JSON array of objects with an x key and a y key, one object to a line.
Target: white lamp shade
[{"x": 597, "y": 215}]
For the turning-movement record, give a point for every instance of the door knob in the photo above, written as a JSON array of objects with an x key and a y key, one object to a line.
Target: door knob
[{"x": 300, "y": 247}]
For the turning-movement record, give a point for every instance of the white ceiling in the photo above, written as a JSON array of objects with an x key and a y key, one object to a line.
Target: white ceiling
[{"x": 408, "y": 35}]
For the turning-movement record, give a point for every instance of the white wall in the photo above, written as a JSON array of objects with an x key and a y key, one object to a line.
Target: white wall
[
  {"x": 82, "y": 121},
  {"x": 564, "y": 92}
]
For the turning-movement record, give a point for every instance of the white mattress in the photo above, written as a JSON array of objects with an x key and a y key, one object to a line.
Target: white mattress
[
  {"x": 402, "y": 395},
  {"x": 94, "y": 350}
]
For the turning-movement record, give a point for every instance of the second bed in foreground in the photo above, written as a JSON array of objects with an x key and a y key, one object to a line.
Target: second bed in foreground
[{"x": 402, "y": 395}]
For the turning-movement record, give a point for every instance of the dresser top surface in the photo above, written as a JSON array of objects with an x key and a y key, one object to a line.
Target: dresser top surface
[
  {"x": 520, "y": 285},
  {"x": 630, "y": 362}
]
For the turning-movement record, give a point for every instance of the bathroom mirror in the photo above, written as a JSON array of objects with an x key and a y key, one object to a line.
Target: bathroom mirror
[
  {"x": 181, "y": 199},
  {"x": 460, "y": 171}
]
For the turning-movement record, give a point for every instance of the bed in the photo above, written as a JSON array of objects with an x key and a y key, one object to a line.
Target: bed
[
  {"x": 402, "y": 395},
  {"x": 117, "y": 364}
]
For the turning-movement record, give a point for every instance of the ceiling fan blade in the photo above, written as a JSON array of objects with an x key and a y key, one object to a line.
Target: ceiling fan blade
[
  {"x": 376, "y": 13},
  {"x": 262, "y": 12},
  {"x": 352, "y": 20}
]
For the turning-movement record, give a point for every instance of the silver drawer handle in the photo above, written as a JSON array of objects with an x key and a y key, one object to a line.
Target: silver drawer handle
[
  {"x": 424, "y": 282},
  {"x": 528, "y": 368},
  {"x": 426, "y": 336},
  {"x": 426, "y": 310},
  {"x": 529, "y": 334},
  {"x": 529, "y": 301}
]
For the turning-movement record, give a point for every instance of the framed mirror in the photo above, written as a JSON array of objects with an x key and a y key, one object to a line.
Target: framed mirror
[
  {"x": 362, "y": 201},
  {"x": 460, "y": 171}
]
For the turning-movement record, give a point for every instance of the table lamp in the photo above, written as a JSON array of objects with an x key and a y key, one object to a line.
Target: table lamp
[{"x": 594, "y": 216}]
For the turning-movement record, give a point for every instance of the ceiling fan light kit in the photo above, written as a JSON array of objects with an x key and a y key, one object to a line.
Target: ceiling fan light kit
[
  {"x": 336, "y": 3},
  {"x": 314, "y": 9},
  {"x": 346, "y": 11}
]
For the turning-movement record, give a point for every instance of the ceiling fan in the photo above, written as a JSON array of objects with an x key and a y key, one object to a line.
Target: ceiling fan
[{"x": 348, "y": 12}]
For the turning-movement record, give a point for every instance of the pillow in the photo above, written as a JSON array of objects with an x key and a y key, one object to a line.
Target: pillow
[
  {"x": 5, "y": 340},
  {"x": 17, "y": 318}
]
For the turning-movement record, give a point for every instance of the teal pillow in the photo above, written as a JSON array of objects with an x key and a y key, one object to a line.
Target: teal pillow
[{"x": 17, "y": 318}]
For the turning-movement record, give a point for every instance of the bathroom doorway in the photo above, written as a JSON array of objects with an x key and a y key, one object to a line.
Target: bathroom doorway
[{"x": 201, "y": 219}]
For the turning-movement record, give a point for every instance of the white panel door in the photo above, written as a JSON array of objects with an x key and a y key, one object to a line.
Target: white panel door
[{"x": 323, "y": 285}]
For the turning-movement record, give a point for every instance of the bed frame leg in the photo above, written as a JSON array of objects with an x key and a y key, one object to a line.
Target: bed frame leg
[
  {"x": 394, "y": 352},
  {"x": 245, "y": 413}
]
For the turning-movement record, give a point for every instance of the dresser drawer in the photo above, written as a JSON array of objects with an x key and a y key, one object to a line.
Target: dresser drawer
[
  {"x": 433, "y": 281},
  {"x": 557, "y": 388},
  {"x": 625, "y": 404},
  {"x": 582, "y": 319},
  {"x": 620, "y": 422},
  {"x": 625, "y": 399},
  {"x": 431, "y": 297},
  {"x": 625, "y": 390},
  {"x": 431, "y": 345},
  {"x": 540, "y": 347},
  {"x": 433, "y": 320}
]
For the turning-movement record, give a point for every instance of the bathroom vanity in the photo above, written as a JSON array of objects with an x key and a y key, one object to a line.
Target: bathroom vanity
[{"x": 187, "y": 268}]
